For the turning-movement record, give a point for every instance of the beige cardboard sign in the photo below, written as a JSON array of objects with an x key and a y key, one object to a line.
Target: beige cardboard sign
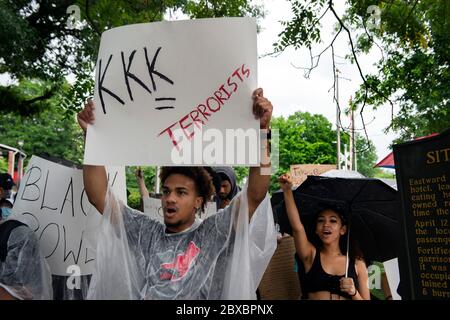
[{"x": 300, "y": 172}]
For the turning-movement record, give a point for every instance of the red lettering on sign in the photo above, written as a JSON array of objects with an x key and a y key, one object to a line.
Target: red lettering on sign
[{"x": 212, "y": 105}]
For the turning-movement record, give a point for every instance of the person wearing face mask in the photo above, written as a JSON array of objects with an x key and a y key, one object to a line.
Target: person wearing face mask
[
  {"x": 24, "y": 272},
  {"x": 6, "y": 208}
]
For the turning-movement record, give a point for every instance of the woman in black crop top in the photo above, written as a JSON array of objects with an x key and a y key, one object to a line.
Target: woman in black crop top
[{"x": 325, "y": 265}]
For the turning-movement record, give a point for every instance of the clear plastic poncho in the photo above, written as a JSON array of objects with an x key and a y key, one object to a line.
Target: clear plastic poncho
[
  {"x": 25, "y": 273},
  {"x": 222, "y": 257}
]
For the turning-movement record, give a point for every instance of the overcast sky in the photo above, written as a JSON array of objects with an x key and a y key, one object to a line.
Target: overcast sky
[{"x": 289, "y": 91}]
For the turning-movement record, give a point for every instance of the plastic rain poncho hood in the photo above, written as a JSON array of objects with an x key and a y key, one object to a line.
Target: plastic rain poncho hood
[{"x": 25, "y": 273}]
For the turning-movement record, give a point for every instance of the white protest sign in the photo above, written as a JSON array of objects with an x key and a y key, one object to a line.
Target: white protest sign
[
  {"x": 152, "y": 207},
  {"x": 393, "y": 277},
  {"x": 51, "y": 200},
  {"x": 176, "y": 93},
  {"x": 210, "y": 209}
]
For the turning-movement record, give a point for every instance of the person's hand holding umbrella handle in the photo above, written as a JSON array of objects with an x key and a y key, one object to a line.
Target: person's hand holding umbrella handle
[
  {"x": 348, "y": 286},
  {"x": 303, "y": 247}
]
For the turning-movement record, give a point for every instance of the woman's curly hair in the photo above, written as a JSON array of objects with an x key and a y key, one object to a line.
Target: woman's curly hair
[{"x": 202, "y": 180}]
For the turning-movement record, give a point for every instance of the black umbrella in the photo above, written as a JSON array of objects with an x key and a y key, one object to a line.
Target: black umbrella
[{"x": 371, "y": 206}]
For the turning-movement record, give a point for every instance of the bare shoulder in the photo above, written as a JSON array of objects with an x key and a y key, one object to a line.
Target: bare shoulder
[{"x": 360, "y": 266}]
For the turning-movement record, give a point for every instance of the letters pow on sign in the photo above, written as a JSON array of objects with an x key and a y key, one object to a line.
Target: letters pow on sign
[
  {"x": 52, "y": 201},
  {"x": 161, "y": 86}
]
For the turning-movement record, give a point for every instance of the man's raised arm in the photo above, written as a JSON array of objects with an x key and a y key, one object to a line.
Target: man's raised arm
[
  {"x": 94, "y": 177},
  {"x": 259, "y": 180}
]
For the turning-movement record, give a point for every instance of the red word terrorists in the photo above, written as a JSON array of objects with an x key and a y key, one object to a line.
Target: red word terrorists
[{"x": 200, "y": 114}]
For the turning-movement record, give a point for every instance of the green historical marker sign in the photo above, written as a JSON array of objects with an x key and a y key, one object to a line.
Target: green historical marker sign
[{"x": 423, "y": 178}]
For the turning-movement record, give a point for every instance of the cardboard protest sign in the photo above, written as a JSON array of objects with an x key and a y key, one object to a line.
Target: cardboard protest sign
[
  {"x": 176, "y": 93},
  {"x": 52, "y": 201},
  {"x": 300, "y": 172},
  {"x": 152, "y": 207}
]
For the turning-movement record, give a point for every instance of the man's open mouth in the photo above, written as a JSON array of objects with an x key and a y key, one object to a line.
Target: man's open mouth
[{"x": 170, "y": 211}]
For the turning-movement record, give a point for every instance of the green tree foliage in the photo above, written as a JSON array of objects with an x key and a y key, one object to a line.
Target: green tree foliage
[
  {"x": 241, "y": 174},
  {"x": 414, "y": 71},
  {"x": 48, "y": 132},
  {"x": 39, "y": 43},
  {"x": 3, "y": 164},
  {"x": 134, "y": 197},
  {"x": 383, "y": 174},
  {"x": 366, "y": 156},
  {"x": 219, "y": 8},
  {"x": 303, "y": 139},
  {"x": 309, "y": 139},
  {"x": 149, "y": 177}
]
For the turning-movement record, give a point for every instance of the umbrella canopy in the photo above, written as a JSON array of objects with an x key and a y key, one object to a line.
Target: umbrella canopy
[
  {"x": 277, "y": 199},
  {"x": 342, "y": 174},
  {"x": 371, "y": 207}
]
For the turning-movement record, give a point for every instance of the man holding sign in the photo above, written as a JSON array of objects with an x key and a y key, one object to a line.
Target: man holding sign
[{"x": 223, "y": 257}]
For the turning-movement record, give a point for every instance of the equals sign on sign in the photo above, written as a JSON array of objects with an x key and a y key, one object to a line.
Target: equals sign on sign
[{"x": 168, "y": 103}]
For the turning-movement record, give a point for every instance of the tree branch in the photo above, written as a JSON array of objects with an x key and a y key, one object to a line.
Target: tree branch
[
  {"x": 48, "y": 94},
  {"x": 313, "y": 66},
  {"x": 160, "y": 12},
  {"x": 409, "y": 14},
  {"x": 91, "y": 22},
  {"x": 371, "y": 38},
  {"x": 277, "y": 53},
  {"x": 366, "y": 85}
]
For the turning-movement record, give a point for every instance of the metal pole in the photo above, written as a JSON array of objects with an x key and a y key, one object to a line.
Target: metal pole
[
  {"x": 352, "y": 139},
  {"x": 354, "y": 165},
  {"x": 346, "y": 157},
  {"x": 338, "y": 124},
  {"x": 157, "y": 182}
]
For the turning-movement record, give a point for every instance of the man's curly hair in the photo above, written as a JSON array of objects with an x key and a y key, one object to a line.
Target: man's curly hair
[{"x": 202, "y": 180}]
